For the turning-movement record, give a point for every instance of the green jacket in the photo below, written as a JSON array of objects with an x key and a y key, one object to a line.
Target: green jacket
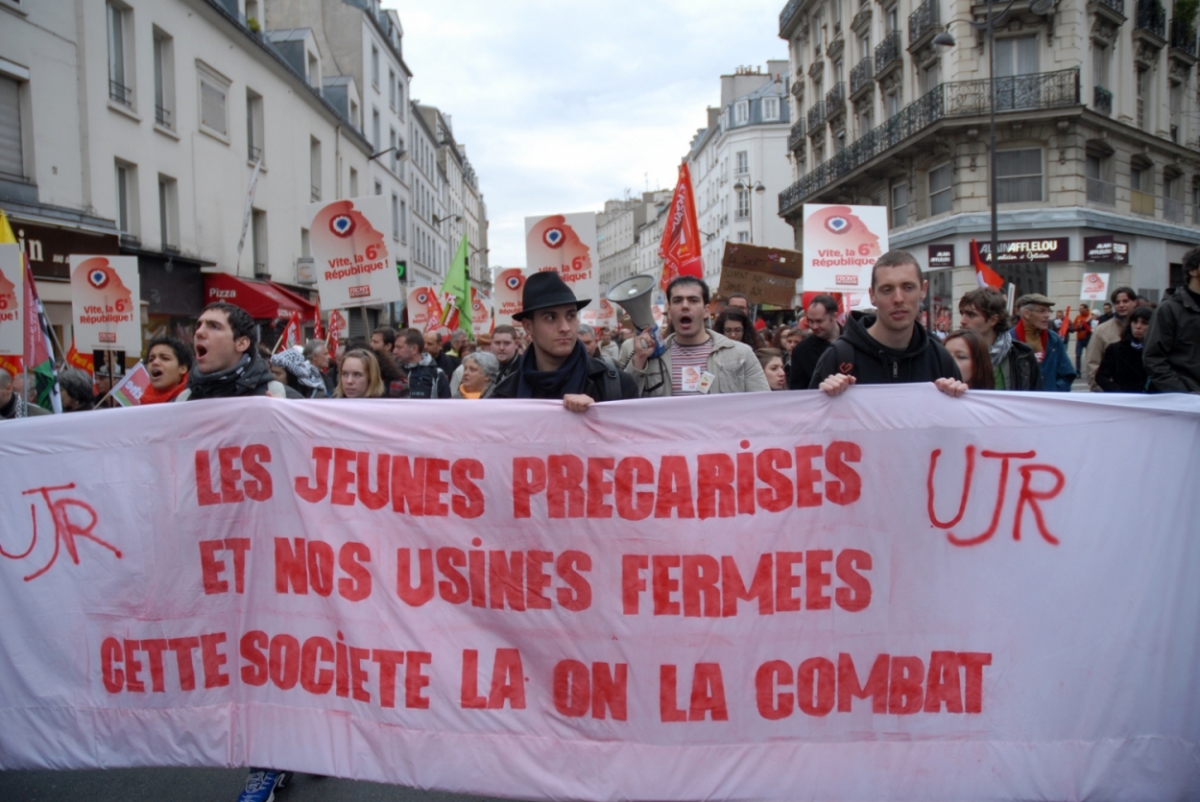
[{"x": 733, "y": 364}]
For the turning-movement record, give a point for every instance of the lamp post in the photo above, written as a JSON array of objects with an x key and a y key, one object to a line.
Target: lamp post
[{"x": 745, "y": 186}]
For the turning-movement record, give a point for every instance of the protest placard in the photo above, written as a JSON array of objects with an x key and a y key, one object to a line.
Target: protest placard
[
  {"x": 353, "y": 265},
  {"x": 12, "y": 292},
  {"x": 106, "y": 303},
  {"x": 510, "y": 288},
  {"x": 565, "y": 243},
  {"x": 1095, "y": 287},
  {"x": 841, "y": 244},
  {"x": 764, "y": 275},
  {"x": 891, "y": 594}
]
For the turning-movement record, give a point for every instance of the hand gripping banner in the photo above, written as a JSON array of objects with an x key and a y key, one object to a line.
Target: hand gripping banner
[{"x": 891, "y": 594}]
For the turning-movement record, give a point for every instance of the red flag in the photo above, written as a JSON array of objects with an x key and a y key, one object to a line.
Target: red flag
[
  {"x": 984, "y": 274},
  {"x": 1066, "y": 325},
  {"x": 78, "y": 360},
  {"x": 680, "y": 248},
  {"x": 318, "y": 334},
  {"x": 336, "y": 323},
  {"x": 292, "y": 334}
]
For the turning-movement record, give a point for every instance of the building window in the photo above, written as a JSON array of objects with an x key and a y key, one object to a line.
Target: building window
[
  {"x": 392, "y": 88},
  {"x": 392, "y": 145},
  {"x": 354, "y": 121},
  {"x": 1019, "y": 176},
  {"x": 314, "y": 166},
  {"x": 214, "y": 116},
  {"x": 254, "y": 125},
  {"x": 941, "y": 191},
  {"x": 127, "y": 198},
  {"x": 375, "y": 140},
  {"x": 893, "y": 18},
  {"x": 929, "y": 78},
  {"x": 168, "y": 212},
  {"x": 1016, "y": 55},
  {"x": 741, "y": 112},
  {"x": 258, "y": 229},
  {"x": 378, "y": 188},
  {"x": 743, "y": 204},
  {"x": 353, "y": 183},
  {"x": 899, "y": 205},
  {"x": 374, "y": 66},
  {"x": 866, "y": 119},
  {"x": 1175, "y": 100},
  {"x": 1141, "y": 188},
  {"x": 120, "y": 57},
  {"x": 305, "y": 244},
  {"x": 400, "y": 98},
  {"x": 1142, "y": 88},
  {"x": 743, "y": 162},
  {"x": 403, "y": 222},
  {"x": 314, "y": 71},
  {"x": 891, "y": 103},
  {"x": 1099, "y": 188},
  {"x": 743, "y": 236},
  {"x": 770, "y": 109},
  {"x": 1099, "y": 65},
  {"x": 164, "y": 79},
  {"x": 12, "y": 152},
  {"x": 395, "y": 216}
]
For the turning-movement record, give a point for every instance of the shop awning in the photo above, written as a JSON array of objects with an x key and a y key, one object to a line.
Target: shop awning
[{"x": 264, "y": 300}]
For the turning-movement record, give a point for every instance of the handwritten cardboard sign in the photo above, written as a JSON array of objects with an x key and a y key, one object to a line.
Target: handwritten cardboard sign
[{"x": 764, "y": 275}]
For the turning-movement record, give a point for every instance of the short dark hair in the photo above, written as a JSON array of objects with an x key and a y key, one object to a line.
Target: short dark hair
[
  {"x": 388, "y": 334},
  {"x": 733, "y": 295},
  {"x": 77, "y": 384},
  {"x": 896, "y": 258},
  {"x": 827, "y": 301},
  {"x": 987, "y": 302},
  {"x": 1191, "y": 261},
  {"x": 503, "y": 328},
  {"x": 239, "y": 319},
  {"x": 1127, "y": 290},
  {"x": 413, "y": 337},
  {"x": 678, "y": 280},
  {"x": 1139, "y": 313},
  {"x": 183, "y": 354}
]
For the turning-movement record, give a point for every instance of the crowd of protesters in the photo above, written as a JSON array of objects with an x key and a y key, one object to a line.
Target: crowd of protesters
[{"x": 706, "y": 346}]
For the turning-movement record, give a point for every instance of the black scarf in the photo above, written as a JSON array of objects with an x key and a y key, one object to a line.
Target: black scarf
[
  {"x": 570, "y": 379},
  {"x": 250, "y": 376}
]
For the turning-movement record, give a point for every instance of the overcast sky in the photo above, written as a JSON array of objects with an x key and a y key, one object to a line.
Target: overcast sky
[{"x": 562, "y": 105}]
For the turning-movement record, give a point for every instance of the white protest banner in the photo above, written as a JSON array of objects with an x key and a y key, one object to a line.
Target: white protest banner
[
  {"x": 891, "y": 594},
  {"x": 566, "y": 243},
  {"x": 12, "y": 291},
  {"x": 351, "y": 253},
  {"x": 510, "y": 289},
  {"x": 1095, "y": 287},
  {"x": 841, "y": 243},
  {"x": 106, "y": 303}
]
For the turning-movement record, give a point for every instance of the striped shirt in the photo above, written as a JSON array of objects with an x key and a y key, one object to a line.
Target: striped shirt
[{"x": 688, "y": 363}]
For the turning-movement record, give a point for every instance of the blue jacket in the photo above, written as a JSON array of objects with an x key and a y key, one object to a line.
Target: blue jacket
[{"x": 1057, "y": 370}]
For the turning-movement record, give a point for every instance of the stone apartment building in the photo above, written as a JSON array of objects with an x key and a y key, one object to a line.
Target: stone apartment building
[{"x": 1096, "y": 128}]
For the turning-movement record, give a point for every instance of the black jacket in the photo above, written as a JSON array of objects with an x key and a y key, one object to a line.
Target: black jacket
[
  {"x": 595, "y": 386},
  {"x": 1122, "y": 369},
  {"x": 804, "y": 361},
  {"x": 872, "y": 363},
  {"x": 1172, "y": 356},
  {"x": 1020, "y": 370}
]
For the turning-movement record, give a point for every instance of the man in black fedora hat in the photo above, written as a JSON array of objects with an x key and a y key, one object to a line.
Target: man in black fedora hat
[{"x": 556, "y": 365}]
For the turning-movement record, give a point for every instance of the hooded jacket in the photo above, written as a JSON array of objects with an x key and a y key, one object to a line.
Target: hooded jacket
[{"x": 923, "y": 360}]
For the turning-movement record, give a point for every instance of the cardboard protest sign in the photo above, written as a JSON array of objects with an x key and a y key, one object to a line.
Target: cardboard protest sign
[
  {"x": 566, "y": 243},
  {"x": 841, "y": 244},
  {"x": 353, "y": 265},
  {"x": 892, "y": 594},
  {"x": 106, "y": 303},
  {"x": 12, "y": 291},
  {"x": 763, "y": 275}
]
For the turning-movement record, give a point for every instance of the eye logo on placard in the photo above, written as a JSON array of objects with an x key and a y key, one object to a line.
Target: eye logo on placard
[
  {"x": 342, "y": 225},
  {"x": 554, "y": 237},
  {"x": 475, "y": 305},
  {"x": 1093, "y": 280},
  {"x": 422, "y": 297},
  {"x": 98, "y": 279},
  {"x": 838, "y": 225},
  {"x": 514, "y": 282}
]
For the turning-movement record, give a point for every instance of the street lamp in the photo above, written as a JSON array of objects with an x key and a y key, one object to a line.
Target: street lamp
[
  {"x": 945, "y": 39},
  {"x": 744, "y": 186}
]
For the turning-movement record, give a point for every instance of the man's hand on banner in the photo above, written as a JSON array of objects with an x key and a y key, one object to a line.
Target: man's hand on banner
[
  {"x": 578, "y": 403},
  {"x": 951, "y": 387},
  {"x": 837, "y": 384}
]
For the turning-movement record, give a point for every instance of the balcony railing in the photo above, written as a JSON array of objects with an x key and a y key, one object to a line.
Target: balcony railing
[
  {"x": 887, "y": 51},
  {"x": 1101, "y": 192},
  {"x": 816, "y": 116},
  {"x": 1115, "y": 5},
  {"x": 796, "y": 139},
  {"x": 1046, "y": 90},
  {"x": 787, "y": 15},
  {"x": 835, "y": 100},
  {"x": 922, "y": 21},
  {"x": 1173, "y": 210},
  {"x": 1102, "y": 100},
  {"x": 1152, "y": 17},
  {"x": 1141, "y": 202},
  {"x": 316, "y": 193},
  {"x": 1183, "y": 37},
  {"x": 861, "y": 75},
  {"x": 120, "y": 92},
  {"x": 162, "y": 116}
]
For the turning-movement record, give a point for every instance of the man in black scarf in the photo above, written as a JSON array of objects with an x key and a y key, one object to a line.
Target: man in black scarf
[
  {"x": 557, "y": 365},
  {"x": 227, "y": 361}
]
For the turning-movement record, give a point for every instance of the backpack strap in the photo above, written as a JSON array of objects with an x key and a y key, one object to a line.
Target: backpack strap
[
  {"x": 612, "y": 381},
  {"x": 845, "y": 356},
  {"x": 945, "y": 360}
]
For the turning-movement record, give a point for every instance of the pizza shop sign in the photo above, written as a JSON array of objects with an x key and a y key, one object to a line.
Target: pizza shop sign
[{"x": 1028, "y": 250}]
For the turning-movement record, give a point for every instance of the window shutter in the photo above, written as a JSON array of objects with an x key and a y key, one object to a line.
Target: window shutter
[{"x": 12, "y": 162}]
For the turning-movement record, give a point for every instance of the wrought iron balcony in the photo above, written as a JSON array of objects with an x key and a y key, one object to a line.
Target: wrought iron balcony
[
  {"x": 1102, "y": 100},
  {"x": 1183, "y": 37},
  {"x": 1101, "y": 192},
  {"x": 887, "y": 52},
  {"x": 162, "y": 116},
  {"x": 316, "y": 193},
  {"x": 1047, "y": 90},
  {"x": 922, "y": 22},
  {"x": 861, "y": 75},
  {"x": 1141, "y": 202},
  {"x": 835, "y": 100},
  {"x": 1151, "y": 17},
  {"x": 120, "y": 92},
  {"x": 816, "y": 117},
  {"x": 796, "y": 139},
  {"x": 1173, "y": 210},
  {"x": 787, "y": 16},
  {"x": 1113, "y": 5}
]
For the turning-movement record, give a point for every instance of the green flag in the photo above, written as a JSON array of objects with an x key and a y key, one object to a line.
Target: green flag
[{"x": 456, "y": 290}]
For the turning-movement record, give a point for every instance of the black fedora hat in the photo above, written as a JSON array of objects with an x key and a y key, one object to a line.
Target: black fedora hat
[{"x": 544, "y": 290}]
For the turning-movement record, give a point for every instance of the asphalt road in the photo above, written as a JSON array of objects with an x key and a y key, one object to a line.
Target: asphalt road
[{"x": 194, "y": 785}]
